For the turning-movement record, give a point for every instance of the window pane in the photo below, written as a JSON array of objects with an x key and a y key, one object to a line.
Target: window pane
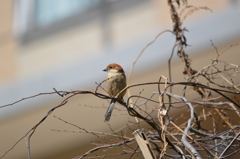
[{"x": 50, "y": 11}]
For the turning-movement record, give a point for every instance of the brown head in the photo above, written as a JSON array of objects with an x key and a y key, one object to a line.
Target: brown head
[{"x": 114, "y": 68}]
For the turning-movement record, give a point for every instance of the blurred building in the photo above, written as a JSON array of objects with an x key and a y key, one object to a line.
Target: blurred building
[{"x": 63, "y": 44}]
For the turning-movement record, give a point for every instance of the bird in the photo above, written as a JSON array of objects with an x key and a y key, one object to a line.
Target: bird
[{"x": 115, "y": 83}]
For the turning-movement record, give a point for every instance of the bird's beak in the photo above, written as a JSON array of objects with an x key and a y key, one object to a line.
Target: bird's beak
[{"x": 105, "y": 70}]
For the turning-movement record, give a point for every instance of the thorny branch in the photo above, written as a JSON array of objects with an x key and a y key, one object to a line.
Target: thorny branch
[{"x": 132, "y": 111}]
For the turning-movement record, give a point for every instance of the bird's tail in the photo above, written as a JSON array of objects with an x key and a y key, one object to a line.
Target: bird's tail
[{"x": 109, "y": 111}]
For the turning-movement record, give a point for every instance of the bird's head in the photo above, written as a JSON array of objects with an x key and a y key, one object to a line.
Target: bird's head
[{"x": 114, "y": 68}]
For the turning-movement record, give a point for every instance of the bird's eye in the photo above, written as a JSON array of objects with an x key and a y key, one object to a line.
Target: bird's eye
[{"x": 110, "y": 67}]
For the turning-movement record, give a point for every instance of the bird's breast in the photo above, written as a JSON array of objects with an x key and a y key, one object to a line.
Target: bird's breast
[{"x": 115, "y": 83}]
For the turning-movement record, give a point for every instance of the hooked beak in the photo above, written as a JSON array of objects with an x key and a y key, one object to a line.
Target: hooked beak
[{"x": 105, "y": 70}]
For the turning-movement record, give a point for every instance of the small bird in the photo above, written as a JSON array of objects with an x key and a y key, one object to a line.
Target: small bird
[{"x": 115, "y": 82}]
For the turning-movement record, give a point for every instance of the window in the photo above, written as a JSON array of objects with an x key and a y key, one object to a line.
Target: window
[
  {"x": 39, "y": 17},
  {"x": 36, "y": 18},
  {"x": 49, "y": 11}
]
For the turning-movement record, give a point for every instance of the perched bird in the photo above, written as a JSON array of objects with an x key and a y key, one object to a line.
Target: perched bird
[{"x": 115, "y": 82}]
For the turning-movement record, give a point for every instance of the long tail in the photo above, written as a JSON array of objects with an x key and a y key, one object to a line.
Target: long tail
[{"x": 109, "y": 111}]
